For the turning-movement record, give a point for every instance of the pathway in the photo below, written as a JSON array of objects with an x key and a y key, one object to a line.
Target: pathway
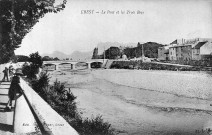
[{"x": 6, "y": 118}]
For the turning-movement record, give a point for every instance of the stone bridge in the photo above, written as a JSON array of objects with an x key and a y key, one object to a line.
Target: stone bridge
[{"x": 55, "y": 65}]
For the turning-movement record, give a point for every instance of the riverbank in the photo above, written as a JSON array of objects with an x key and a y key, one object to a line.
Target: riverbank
[
  {"x": 159, "y": 66},
  {"x": 183, "y": 83},
  {"x": 134, "y": 110}
]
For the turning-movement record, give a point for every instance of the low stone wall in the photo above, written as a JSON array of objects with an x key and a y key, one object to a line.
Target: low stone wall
[{"x": 51, "y": 119}]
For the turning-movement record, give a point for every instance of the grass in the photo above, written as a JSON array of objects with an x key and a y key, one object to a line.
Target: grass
[{"x": 153, "y": 66}]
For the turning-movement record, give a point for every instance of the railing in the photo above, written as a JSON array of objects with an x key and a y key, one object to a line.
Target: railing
[{"x": 47, "y": 119}]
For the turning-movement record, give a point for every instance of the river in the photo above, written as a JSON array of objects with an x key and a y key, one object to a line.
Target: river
[{"x": 136, "y": 110}]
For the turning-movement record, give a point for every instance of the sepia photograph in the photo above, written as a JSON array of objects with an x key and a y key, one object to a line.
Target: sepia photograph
[{"x": 106, "y": 67}]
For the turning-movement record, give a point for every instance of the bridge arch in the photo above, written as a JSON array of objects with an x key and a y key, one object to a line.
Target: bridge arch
[
  {"x": 96, "y": 64},
  {"x": 66, "y": 65},
  {"x": 49, "y": 67},
  {"x": 90, "y": 64},
  {"x": 82, "y": 65}
]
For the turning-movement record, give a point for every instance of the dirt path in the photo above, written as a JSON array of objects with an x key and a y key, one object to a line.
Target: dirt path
[{"x": 6, "y": 118}]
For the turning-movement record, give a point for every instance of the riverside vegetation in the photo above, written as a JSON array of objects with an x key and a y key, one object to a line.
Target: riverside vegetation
[
  {"x": 156, "y": 66},
  {"x": 63, "y": 102}
]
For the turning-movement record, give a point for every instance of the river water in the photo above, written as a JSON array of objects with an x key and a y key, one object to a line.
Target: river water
[{"x": 136, "y": 110}]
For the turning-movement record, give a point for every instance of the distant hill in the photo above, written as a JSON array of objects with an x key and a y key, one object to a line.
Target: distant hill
[
  {"x": 57, "y": 54},
  {"x": 76, "y": 55}
]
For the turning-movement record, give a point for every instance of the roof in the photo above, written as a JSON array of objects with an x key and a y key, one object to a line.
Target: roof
[
  {"x": 199, "y": 44},
  {"x": 174, "y": 42},
  {"x": 178, "y": 41}
]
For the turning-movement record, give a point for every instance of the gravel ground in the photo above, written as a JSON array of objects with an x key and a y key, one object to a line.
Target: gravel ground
[{"x": 137, "y": 108}]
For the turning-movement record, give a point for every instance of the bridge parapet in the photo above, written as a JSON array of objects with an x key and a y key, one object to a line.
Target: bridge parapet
[
  {"x": 64, "y": 65},
  {"x": 49, "y": 121}
]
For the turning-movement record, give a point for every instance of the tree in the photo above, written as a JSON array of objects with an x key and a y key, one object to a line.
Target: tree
[
  {"x": 22, "y": 58},
  {"x": 112, "y": 53},
  {"x": 95, "y": 53},
  {"x": 130, "y": 52},
  {"x": 35, "y": 63},
  {"x": 150, "y": 50},
  {"x": 36, "y": 60},
  {"x": 47, "y": 58},
  {"x": 57, "y": 59},
  {"x": 17, "y": 18}
]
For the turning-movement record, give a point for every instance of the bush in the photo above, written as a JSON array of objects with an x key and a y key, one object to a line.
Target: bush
[
  {"x": 39, "y": 85},
  {"x": 26, "y": 70},
  {"x": 64, "y": 103},
  {"x": 94, "y": 126},
  {"x": 30, "y": 71},
  {"x": 155, "y": 66}
]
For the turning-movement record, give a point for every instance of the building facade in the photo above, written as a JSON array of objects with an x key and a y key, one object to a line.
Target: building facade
[
  {"x": 163, "y": 53},
  {"x": 175, "y": 49},
  {"x": 186, "y": 52},
  {"x": 201, "y": 50},
  {"x": 190, "y": 49},
  {"x": 172, "y": 53}
]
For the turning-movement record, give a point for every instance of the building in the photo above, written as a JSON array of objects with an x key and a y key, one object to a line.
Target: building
[
  {"x": 172, "y": 53},
  {"x": 206, "y": 49},
  {"x": 163, "y": 53},
  {"x": 190, "y": 49},
  {"x": 180, "y": 52},
  {"x": 175, "y": 49},
  {"x": 201, "y": 50}
]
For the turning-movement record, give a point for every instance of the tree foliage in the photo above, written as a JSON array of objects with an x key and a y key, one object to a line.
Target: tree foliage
[
  {"x": 35, "y": 63},
  {"x": 150, "y": 50},
  {"x": 95, "y": 53},
  {"x": 47, "y": 58},
  {"x": 55, "y": 59},
  {"x": 36, "y": 60},
  {"x": 21, "y": 58},
  {"x": 63, "y": 102},
  {"x": 17, "y": 18},
  {"x": 112, "y": 53}
]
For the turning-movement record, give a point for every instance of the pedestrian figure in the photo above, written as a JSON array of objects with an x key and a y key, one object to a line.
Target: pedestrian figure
[
  {"x": 15, "y": 90},
  {"x": 11, "y": 72},
  {"x": 5, "y": 71}
]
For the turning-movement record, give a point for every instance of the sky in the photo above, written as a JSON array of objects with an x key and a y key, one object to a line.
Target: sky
[{"x": 126, "y": 21}]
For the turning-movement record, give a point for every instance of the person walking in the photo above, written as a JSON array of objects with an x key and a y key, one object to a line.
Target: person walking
[
  {"x": 11, "y": 72},
  {"x": 6, "y": 72},
  {"x": 14, "y": 89}
]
